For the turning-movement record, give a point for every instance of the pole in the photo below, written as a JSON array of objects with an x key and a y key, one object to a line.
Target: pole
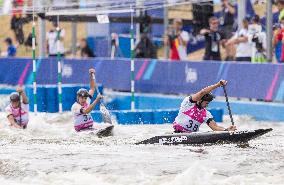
[
  {"x": 59, "y": 81},
  {"x": 241, "y": 11},
  {"x": 269, "y": 33},
  {"x": 138, "y": 14},
  {"x": 166, "y": 25},
  {"x": 74, "y": 38},
  {"x": 132, "y": 64},
  {"x": 42, "y": 38},
  {"x": 34, "y": 62}
]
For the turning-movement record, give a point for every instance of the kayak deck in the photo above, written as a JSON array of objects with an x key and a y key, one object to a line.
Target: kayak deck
[{"x": 206, "y": 137}]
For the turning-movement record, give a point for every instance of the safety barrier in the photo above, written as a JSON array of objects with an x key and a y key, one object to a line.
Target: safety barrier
[
  {"x": 47, "y": 97},
  {"x": 149, "y": 116}
]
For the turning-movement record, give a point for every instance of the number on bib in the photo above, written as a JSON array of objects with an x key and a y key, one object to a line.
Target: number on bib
[
  {"x": 195, "y": 128},
  {"x": 85, "y": 118},
  {"x": 192, "y": 126}
]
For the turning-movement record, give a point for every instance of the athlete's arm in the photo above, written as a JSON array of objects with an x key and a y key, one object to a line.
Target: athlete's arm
[
  {"x": 23, "y": 94},
  {"x": 12, "y": 121},
  {"x": 25, "y": 98},
  {"x": 91, "y": 106},
  {"x": 92, "y": 82},
  {"x": 206, "y": 90},
  {"x": 213, "y": 125}
]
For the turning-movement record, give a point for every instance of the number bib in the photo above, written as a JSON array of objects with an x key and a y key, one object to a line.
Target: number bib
[
  {"x": 190, "y": 119},
  {"x": 82, "y": 119},
  {"x": 24, "y": 118},
  {"x": 193, "y": 125}
]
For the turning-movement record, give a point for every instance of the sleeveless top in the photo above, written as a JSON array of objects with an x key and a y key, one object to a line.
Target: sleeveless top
[
  {"x": 81, "y": 121},
  {"x": 190, "y": 116},
  {"x": 23, "y": 121}
]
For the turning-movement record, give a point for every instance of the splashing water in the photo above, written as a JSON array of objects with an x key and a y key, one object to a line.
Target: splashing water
[{"x": 51, "y": 152}]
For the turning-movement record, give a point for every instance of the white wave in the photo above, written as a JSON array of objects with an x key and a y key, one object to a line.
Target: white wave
[{"x": 50, "y": 152}]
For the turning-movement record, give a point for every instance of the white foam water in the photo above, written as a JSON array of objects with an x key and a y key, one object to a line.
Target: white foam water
[{"x": 50, "y": 152}]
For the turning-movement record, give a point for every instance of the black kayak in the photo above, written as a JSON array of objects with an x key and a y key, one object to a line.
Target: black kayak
[{"x": 206, "y": 137}]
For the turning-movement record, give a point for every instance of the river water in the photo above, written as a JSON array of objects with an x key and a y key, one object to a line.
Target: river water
[{"x": 50, "y": 152}]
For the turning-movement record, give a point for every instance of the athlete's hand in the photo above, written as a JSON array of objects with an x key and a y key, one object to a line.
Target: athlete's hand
[
  {"x": 92, "y": 70},
  {"x": 222, "y": 83},
  {"x": 99, "y": 96},
  {"x": 232, "y": 128},
  {"x": 15, "y": 125},
  {"x": 19, "y": 89}
]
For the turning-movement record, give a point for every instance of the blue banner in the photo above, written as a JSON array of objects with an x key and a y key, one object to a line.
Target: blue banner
[{"x": 261, "y": 81}]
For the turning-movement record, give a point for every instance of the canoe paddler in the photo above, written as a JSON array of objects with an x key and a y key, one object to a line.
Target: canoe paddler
[{"x": 193, "y": 112}]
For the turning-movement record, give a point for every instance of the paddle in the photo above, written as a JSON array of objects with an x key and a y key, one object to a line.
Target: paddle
[
  {"x": 228, "y": 104},
  {"x": 20, "y": 108},
  {"x": 105, "y": 113}
]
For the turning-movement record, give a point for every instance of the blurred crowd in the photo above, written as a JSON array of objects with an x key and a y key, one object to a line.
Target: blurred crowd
[
  {"x": 223, "y": 38},
  {"x": 54, "y": 37},
  {"x": 247, "y": 42}
]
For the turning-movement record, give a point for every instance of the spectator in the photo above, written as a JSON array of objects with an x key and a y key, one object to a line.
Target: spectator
[
  {"x": 86, "y": 52},
  {"x": 278, "y": 30},
  {"x": 226, "y": 26},
  {"x": 243, "y": 52},
  {"x": 278, "y": 41},
  {"x": 145, "y": 48},
  {"x": 17, "y": 21},
  {"x": 11, "y": 49},
  {"x": 52, "y": 39},
  {"x": 258, "y": 40},
  {"x": 177, "y": 39},
  {"x": 213, "y": 39},
  {"x": 280, "y": 6}
]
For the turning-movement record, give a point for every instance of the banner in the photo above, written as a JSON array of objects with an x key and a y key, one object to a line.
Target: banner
[{"x": 261, "y": 81}]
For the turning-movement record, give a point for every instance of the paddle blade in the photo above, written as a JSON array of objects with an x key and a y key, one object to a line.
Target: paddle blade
[
  {"x": 105, "y": 113},
  {"x": 106, "y": 131}
]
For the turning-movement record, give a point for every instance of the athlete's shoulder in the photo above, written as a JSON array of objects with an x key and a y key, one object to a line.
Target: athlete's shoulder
[
  {"x": 187, "y": 103},
  {"x": 75, "y": 105},
  {"x": 8, "y": 108},
  {"x": 208, "y": 113}
]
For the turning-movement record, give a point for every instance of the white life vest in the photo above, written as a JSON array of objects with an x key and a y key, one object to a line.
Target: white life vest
[
  {"x": 190, "y": 116},
  {"x": 81, "y": 121}
]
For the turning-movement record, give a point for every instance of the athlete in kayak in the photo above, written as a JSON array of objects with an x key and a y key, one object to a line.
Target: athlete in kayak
[
  {"x": 18, "y": 109},
  {"x": 81, "y": 108},
  {"x": 193, "y": 113}
]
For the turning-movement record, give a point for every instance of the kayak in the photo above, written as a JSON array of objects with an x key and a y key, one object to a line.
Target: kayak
[{"x": 206, "y": 137}]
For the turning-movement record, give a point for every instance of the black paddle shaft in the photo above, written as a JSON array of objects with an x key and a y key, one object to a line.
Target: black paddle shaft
[
  {"x": 20, "y": 108},
  {"x": 228, "y": 104}
]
